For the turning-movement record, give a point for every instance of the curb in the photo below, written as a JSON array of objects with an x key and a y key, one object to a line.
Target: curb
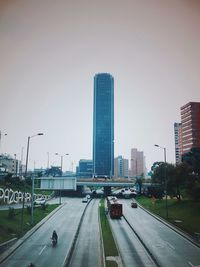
[
  {"x": 101, "y": 240},
  {"x": 121, "y": 262},
  {"x": 7, "y": 244},
  {"x": 21, "y": 240}
]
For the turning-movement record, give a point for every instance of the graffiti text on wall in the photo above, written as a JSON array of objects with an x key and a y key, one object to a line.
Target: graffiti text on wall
[{"x": 8, "y": 196}]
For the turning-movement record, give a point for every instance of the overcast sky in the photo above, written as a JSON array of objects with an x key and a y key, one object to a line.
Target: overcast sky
[{"x": 50, "y": 51}]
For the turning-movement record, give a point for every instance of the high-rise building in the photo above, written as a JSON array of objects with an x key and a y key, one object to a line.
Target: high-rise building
[
  {"x": 190, "y": 126},
  {"x": 121, "y": 167},
  {"x": 177, "y": 139},
  {"x": 137, "y": 163},
  {"x": 103, "y": 125}
]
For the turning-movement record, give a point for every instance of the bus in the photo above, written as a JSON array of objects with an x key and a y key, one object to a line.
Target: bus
[{"x": 114, "y": 207}]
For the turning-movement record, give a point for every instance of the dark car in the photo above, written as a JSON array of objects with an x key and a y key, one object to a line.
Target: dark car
[{"x": 134, "y": 205}]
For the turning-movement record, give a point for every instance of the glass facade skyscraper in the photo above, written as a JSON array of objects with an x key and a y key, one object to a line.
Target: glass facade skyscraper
[{"x": 103, "y": 125}]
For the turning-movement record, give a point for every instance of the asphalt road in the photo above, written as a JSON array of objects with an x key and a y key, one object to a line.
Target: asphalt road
[
  {"x": 168, "y": 247},
  {"x": 87, "y": 252},
  {"x": 131, "y": 250},
  {"x": 38, "y": 249}
]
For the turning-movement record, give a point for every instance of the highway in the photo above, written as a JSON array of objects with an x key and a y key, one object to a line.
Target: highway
[
  {"x": 38, "y": 249},
  {"x": 142, "y": 240},
  {"x": 167, "y": 247},
  {"x": 87, "y": 251}
]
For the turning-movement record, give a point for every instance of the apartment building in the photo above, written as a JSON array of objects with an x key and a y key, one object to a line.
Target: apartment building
[{"x": 190, "y": 127}]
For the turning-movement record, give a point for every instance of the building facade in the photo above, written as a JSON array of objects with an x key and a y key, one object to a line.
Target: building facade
[
  {"x": 138, "y": 167},
  {"x": 121, "y": 167},
  {"x": 9, "y": 164},
  {"x": 190, "y": 127},
  {"x": 177, "y": 139},
  {"x": 103, "y": 125},
  {"x": 85, "y": 168}
]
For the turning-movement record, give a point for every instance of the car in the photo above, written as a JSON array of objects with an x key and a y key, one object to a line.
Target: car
[
  {"x": 84, "y": 200},
  {"x": 40, "y": 201},
  {"x": 134, "y": 205}
]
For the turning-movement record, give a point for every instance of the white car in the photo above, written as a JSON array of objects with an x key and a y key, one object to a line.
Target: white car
[
  {"x": 84, "y": 200},
  {"x": 40, "y": 201},
  {"x": 88, "y": 196}
]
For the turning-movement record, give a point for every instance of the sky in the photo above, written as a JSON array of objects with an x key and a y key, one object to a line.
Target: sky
[{"x": 50, "y": 51}]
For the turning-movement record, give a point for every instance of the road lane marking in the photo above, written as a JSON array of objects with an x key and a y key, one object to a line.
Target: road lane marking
[
  {"x": 170, "y": 245},
  {"x": 193, "y": 265},
  {"x": 42, "y": 250}
]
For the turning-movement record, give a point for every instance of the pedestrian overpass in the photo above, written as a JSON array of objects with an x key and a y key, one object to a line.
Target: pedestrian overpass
[{"x": 71, "y": 183}]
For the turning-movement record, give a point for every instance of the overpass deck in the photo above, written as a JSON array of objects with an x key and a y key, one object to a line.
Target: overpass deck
[{"x": 105, "y": 183}]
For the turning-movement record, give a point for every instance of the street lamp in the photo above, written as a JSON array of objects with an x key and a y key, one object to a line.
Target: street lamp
[
  {"x": 1, "y": 137},
  {"x": 47, "y": 160},
  {"x": 61, "y": 166},
  {"x": 111, "y": 158},
  {"x": 165, "y": 177},
  {"x": 25, "y": 175},
  {"x": 15, "y": 165}
]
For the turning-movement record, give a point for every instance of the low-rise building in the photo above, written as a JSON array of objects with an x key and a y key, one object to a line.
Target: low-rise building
[
  {"x": 85, "y": 168},
  {"x": 8, "y": 164}
]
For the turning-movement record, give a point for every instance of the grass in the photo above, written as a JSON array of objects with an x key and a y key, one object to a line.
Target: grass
[
  {"x": 11, "y": 227},
  {"x": 186, "y": 211},
  {"x": 110, "y": 248}
]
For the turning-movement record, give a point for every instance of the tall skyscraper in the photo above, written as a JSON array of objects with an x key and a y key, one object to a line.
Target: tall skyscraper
[{"x": 103, "y": 125}]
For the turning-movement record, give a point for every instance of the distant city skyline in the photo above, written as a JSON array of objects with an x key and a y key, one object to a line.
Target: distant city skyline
[{"x": 50, "y": 52}]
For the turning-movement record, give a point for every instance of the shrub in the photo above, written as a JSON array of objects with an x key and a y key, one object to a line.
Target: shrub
[
  {"x": 28, "y": 209},
  {"x": 44, "y": 206},
  {"x": 11, "y": 213}
]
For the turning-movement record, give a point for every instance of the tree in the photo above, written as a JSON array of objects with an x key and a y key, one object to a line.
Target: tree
[
  {"x": 158, "y": 173},
  {"x": 53, "y": 171},
  {"x": 171, "y": 178},
  {"x": 139, "y": 182},
  {"x": 192, "y": 158},
  {"x": 177, "y": 179}
]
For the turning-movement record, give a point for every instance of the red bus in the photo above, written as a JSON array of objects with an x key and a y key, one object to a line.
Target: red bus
[{"x": 114, "y": 207}]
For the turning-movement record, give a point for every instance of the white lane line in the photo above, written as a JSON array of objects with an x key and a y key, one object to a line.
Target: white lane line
[
  {"x": 170, "y": 245},
  {"x": 193, "y": 265},
  {"x": 42, "y": 250}
]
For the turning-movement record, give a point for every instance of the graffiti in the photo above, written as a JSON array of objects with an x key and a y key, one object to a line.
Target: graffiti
[{"x": 8, "y": 196}]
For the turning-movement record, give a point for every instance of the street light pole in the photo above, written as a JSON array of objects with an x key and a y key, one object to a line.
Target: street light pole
[
  {"x": 1, "y": 138},
  {"x": 165, "y": 177},
  {"x": 25, "y": 176},
  {"x": 47, "y": 160},
  {"x": 61, "y": 166},
  {"x": 15, "y": 165}
]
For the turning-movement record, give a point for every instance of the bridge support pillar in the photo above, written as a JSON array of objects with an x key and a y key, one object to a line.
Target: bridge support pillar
[{"x": 107, "y": 190}]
